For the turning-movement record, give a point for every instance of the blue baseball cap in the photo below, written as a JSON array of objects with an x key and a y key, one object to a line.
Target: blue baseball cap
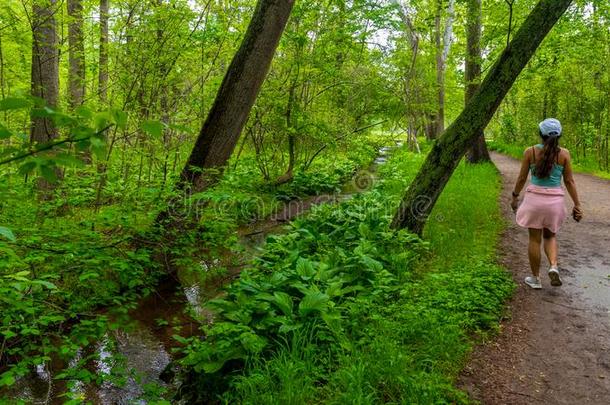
[{"x": 550, "y": 127}]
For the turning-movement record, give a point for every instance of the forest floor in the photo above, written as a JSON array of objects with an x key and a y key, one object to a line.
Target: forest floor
[{"x": 555, "y": 348}]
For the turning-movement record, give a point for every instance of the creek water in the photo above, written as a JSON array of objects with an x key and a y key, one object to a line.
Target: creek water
[{"x": 141, "y": 348}]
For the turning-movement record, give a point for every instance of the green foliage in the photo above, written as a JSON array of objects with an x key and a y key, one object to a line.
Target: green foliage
[
  {"x": 361, "y": 314},
  {"x": 567, "y": 79},
  {"x": 583, "y": 165}
]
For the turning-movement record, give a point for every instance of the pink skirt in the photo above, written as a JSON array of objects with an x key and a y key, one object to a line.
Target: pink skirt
[{"x": 542, "y": 207}]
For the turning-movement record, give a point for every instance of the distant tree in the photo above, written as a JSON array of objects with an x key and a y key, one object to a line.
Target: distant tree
[
  {"x": 76, "y": 54},
  {"x": 478, "y": 151},
  {"x": 103, "y": 54},
  {"x": 447, "y": 152},
  {"x": 442, "y": 39},
  {"x": 45, "y": 66}
]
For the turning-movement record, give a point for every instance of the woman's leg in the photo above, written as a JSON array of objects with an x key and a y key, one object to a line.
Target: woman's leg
[
  {"x": 534, "y": 250},
  {"x": 550, "y": 246}
]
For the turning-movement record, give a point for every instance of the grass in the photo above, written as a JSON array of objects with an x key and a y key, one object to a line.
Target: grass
[
  {"x": 587, "y": 166},
  {"x": 410, "y": 345}
]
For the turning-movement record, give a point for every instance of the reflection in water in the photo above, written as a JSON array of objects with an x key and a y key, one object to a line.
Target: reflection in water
[{"x": 144, "y": 357}]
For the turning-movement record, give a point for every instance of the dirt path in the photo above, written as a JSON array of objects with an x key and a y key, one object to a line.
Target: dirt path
[{"x": 555, "y": 349}]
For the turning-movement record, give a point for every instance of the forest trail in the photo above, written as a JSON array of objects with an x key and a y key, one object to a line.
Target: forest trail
[{"x": 555, "y": 349}]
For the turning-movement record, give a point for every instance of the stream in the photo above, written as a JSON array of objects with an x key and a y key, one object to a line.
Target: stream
[{"x": 141, "y": 348}]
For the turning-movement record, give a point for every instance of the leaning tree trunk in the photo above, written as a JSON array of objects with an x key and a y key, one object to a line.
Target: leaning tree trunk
[
  {"x": 76, "y": 54},
  {"x": 45, "y": 66},
  {"x": 445, "y": 155},
  {"x": 236, "y": 95},
  {"x": 478, "y": 152}
]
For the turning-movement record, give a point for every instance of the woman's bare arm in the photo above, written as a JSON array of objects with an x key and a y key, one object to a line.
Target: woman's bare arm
[
  {"x": 524, "y": 172},
  {"x": 568, "y": 179}
]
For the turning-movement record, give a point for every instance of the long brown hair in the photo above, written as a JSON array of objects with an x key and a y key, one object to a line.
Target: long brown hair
[{"x": 550, "y": 152}]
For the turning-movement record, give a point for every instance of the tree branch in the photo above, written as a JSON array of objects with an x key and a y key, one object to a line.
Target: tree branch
[{"x": 51, "y": 145}]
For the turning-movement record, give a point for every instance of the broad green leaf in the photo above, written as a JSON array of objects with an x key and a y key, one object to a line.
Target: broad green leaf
[
  {"x": 252, "y": 342},
  {"x": 7, "y": 233},
  {"x": 153, "y": 128},
  {"x": 181, "y": 128},
  {"x": 87, "y": 276},
  {"x": 98, "y": 147},
  {"x": 66, "y": 159},
  {"x": 283, "y": 301},
  {"x": 7, "y": 379},
  {"x": 14, "y": 103},
  {"x": 48, "y": 173},
  {"x": 46, "y": 284},
  {"x": 4, "y": 132},
  {"x": 84, "y": 112},
  {"x": 101, "y": 120},
  {"x": 120, "y": 118},
  {"x": 305, "y": 268},
  {"x": 27, "y": 168},
  {"x": 313, "y": 301}
]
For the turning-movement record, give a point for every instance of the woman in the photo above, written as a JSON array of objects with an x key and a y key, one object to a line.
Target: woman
[{"x": 543, "y": 210}]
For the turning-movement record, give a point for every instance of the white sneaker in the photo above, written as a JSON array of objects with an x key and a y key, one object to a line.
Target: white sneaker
[
  {"x": 533, "y": 282},
  {"x": 554, "y": 276}
]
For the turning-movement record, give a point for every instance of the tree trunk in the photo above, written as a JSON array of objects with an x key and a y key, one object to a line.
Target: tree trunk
[
  {"x": 103, "y": 56},
  {"x": 45, "y": 77},
  {"x": 442, "y": 52},
  {"x": 478, "y": 152},
  {"x": 289, "y": 174},
  {"x": 2, "y": 91},
  {"x": 437, "y": 124},
  {"x": 236, "y": 95},
  {"x": 45, "y": 66},
  {"x": 76, "y": 75},
  {"x": 445, "y": 155}
]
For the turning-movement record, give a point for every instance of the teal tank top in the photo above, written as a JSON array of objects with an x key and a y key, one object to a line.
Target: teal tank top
[{"x": 554, "y": 179}]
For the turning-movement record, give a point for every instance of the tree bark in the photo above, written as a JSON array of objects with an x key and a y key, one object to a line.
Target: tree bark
[
  {"x": 103, "y": 55},
  {"x": 445, "y": 155},
  {"x": 45, "y": 66},
  {"x": 76, "y": 54},
  {"x": 236, "y": 95},
  {"x": 478, "y": 152}
]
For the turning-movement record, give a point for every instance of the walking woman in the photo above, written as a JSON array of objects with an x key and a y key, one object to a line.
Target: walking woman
[{"x": 543, "y": 210}]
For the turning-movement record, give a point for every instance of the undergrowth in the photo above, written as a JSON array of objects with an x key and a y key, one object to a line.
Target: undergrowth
[{"x": 343, "y": 310}]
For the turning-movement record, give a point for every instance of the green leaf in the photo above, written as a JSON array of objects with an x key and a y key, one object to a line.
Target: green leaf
[
  {"x": 305, "y": 268},
  {"x": 181, "y": 128},
  {"x": 4, "y": 132},
  {"x": 98, "y": 147},
  {"x": 120, "y": 118},
  {"x": 7, "y": 233},
  {"x": 48, "y": 173},
  {"x": 7, "y": 379},
  {"x": 313, "y": 301},
  {"x": 153, "y": 128},
  {"x": 27, "y": 168},
  {"x": 44, "y": 283},
  {"x": 283, "y": 302},
  {"x": 101, "y": 120},
  {"x": 14, "y": 103},
  {"x": 252, "y": 342},
  {"x": 84, "y": 112},
  {"x": 87, "y": 276}
]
